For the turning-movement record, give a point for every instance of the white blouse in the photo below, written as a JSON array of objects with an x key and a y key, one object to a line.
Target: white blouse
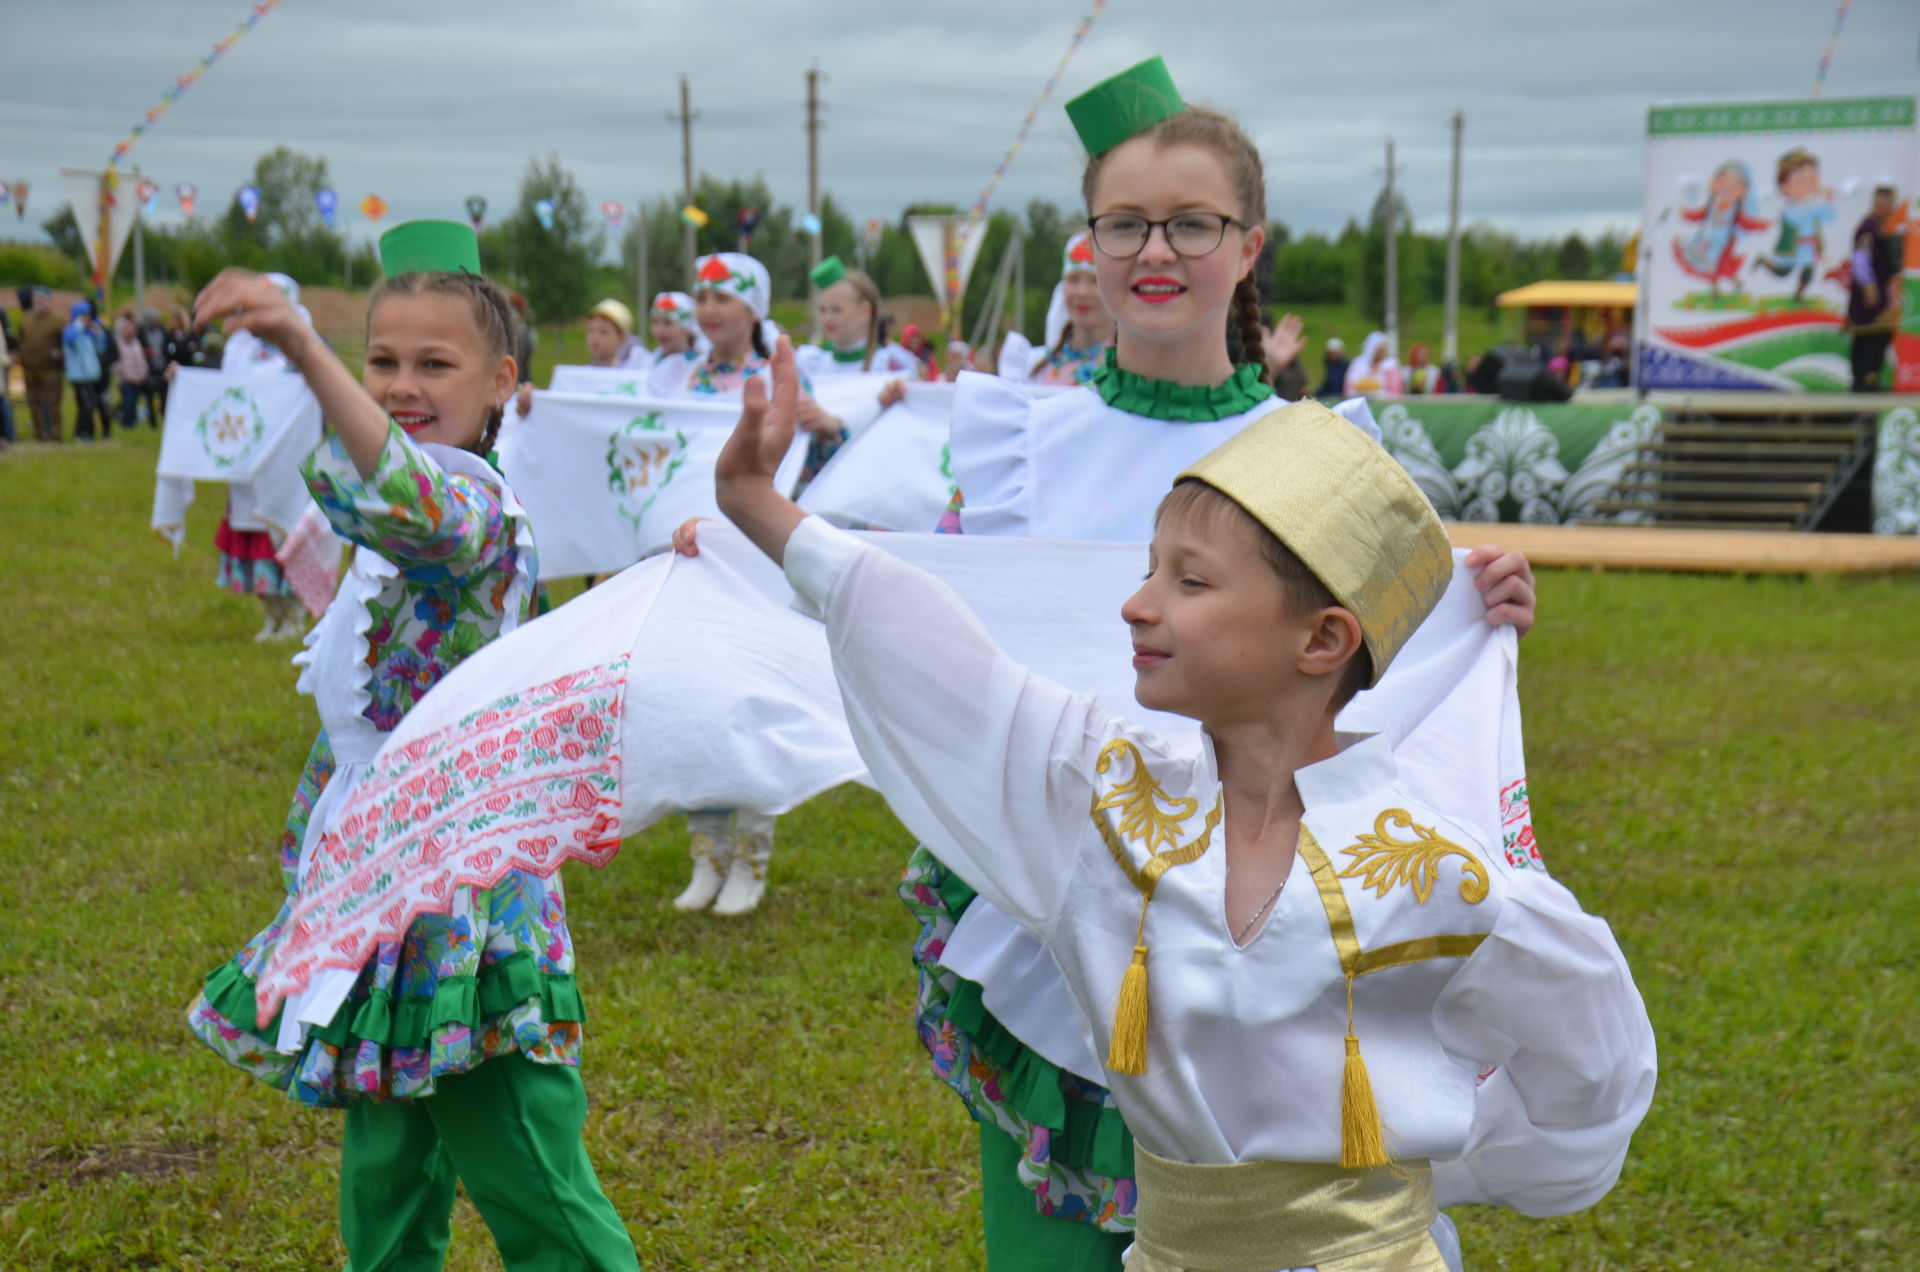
[
  {"x": 996, "y": 770},
  {"x": 817, "y": 363},
  {"x": 1065, "y": 465}
]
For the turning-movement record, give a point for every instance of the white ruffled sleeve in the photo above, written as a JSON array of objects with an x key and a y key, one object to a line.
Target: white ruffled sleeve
[
  {"x": 1547, "y": 998},
  {"x": 1016, "y": 357},
  {"x": 991, "y": 458},
  {"x": 986, "y": 763}
]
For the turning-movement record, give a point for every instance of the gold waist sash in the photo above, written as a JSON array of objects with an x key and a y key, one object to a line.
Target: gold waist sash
[{"x": 1263, "y": 1216}]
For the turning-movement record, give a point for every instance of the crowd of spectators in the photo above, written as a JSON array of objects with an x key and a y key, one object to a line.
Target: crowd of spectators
[{"x": 79, "y": 358}]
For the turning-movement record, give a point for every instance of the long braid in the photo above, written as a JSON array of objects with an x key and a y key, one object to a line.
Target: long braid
[{"x": 1246, "y": 327}]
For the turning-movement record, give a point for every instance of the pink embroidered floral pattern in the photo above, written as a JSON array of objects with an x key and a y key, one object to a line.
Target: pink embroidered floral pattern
[
  {"x": 526, "y": 783},
  {"x": 1516, "y": 827}
]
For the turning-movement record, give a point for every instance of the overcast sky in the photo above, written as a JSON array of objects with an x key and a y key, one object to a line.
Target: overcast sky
[{"x": 428, "y": 101}]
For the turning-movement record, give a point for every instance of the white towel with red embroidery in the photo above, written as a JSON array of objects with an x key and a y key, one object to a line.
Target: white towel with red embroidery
[{"x": 692, "y": 683}]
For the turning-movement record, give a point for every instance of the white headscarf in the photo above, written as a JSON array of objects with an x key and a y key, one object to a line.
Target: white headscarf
[
  {"x": 677, "y": 306},
  {"x": 1374, "y": 362},
  {"x": 1057, "y": 315},
  {"x": 738, "y": 275},
  {"x": 1077, "y": 258}
]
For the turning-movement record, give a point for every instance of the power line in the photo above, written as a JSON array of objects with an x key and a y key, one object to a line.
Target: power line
[{"x": 998, "y": 130}]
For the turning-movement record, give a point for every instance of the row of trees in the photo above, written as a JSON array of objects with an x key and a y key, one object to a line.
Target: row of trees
[{"x": 559, "y": 261}]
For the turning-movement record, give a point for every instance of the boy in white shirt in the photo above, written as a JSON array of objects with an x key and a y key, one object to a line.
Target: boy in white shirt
[{"x": 1289, "y": 893}]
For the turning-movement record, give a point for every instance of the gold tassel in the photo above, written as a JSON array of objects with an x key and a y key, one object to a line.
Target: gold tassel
[
  {"x": 1362, "y": 1139},
  {"x": 1362, "y": 1143},
  {"x": 1127, "y": 1053}
]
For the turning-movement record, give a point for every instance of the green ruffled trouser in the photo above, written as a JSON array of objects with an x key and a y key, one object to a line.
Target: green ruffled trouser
[{"x": 510, "y": 1131}]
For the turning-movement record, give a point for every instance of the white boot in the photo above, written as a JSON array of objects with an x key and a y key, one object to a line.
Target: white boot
[
  {"x": 747, "y": 873},
  {"x": 710, "y": 844},
  {"x": 270, "y": 629},
  {"x": 291, "y": 621}
]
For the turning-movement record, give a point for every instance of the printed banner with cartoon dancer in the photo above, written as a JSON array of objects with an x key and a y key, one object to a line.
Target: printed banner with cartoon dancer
[{"x": 1750, "y": 217}]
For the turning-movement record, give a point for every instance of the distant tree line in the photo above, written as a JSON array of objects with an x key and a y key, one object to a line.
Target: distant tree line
[{"x": 558, "y": 264}]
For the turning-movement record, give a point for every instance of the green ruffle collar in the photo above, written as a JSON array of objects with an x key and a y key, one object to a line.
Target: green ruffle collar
[
  {"x": 846, "y": 355},
  {"x": 1165, "y": 400}
]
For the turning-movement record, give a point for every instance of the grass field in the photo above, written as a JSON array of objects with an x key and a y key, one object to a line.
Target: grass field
[{"x": 1725, "y": 768}]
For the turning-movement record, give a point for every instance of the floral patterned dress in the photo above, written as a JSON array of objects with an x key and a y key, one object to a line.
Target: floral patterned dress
[
  {"x": 1067, "y": 365},
  {"x": 495, "y": 974}
]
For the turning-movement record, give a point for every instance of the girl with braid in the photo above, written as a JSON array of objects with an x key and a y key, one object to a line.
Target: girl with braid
[{"x": 455, "y": 1050}]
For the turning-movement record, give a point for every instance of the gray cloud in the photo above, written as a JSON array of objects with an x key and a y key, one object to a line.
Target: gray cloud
[{"x": 429, "y": 102}]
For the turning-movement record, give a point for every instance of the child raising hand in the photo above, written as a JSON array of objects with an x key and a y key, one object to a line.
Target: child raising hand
[{"x": 1321, "y": 1005}]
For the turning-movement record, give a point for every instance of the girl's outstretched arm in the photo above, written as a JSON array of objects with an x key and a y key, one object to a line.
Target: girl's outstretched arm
[
  {"x": 251, "y": 302},
  {"x": 743, "y": 476}
]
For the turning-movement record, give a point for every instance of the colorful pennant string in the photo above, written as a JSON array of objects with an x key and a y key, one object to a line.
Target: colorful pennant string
[
  {"x": 976, "y": 215},
  {"x": 187, "y": 81},
  {"x": 1833, "y": 41}
]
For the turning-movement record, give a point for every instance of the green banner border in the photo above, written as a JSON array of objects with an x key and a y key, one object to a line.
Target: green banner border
[{"x": 1760, "y": 117}]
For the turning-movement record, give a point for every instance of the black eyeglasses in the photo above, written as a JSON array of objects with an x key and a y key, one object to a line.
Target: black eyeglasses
[{"x": 1123, "y": 234}]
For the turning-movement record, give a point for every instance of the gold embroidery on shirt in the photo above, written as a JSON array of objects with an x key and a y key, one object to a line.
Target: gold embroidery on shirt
[
  {"x": 1353, "y": 960},
  {"x": 1145, "y": 877},
  {"x": 1418, "y": 950},
  {"x": 1382, "y": 862},
  {"x": 1142, "y": 819},
  {"x": 1139, "y": 798},
  {"x": 1362, "y": 1135}
]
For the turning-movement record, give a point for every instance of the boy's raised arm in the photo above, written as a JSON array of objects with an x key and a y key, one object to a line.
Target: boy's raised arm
[{"x": 743, "y": 476}]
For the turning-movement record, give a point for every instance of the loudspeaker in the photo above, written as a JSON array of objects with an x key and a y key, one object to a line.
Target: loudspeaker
[
  {"x": 1532, "y": 382},
  {"x": 1515, "y": 374}
]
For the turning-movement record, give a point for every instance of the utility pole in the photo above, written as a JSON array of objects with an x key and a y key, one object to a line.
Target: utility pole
[
  {"x": 1450, "y": 338},
  {"x": 1393, "y": 261},
  {"x": 640, "y": 261},
  {"x": 813, "y": 190},
  {"x": 685, "y": 119}
]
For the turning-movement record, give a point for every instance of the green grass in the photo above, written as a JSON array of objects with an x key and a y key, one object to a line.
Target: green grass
[{"x": 1723, "y": 767}]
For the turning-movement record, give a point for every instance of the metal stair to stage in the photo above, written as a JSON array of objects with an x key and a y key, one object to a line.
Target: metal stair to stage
[{"x": 1759, "y": 465}]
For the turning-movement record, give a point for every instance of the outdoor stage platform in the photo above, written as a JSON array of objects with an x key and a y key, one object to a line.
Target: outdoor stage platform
[{"x": 1697, "y": 551}]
